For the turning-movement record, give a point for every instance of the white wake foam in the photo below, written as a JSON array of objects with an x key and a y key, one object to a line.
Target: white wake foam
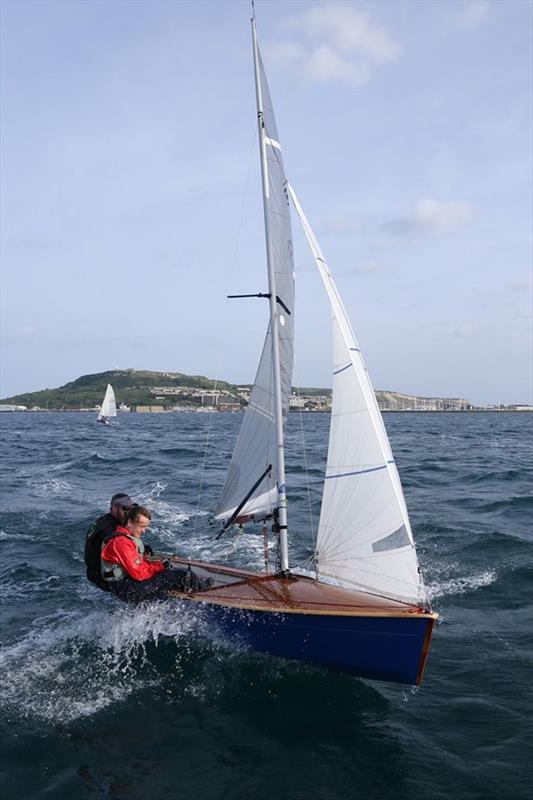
[
  {"x": 71, "y": 665},
  {"x": 460, "y": 585}
]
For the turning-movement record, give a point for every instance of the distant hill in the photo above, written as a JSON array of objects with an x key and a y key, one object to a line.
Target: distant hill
[
  {"x": 136, "y": 388},
  {"x": 131, "y": 386}
]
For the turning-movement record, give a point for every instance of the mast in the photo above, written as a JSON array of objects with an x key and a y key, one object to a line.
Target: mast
[{"x": 278, "y": 409}]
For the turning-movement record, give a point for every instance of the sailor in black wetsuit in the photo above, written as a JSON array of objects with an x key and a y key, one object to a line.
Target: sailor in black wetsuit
[{"x": 104, "y": 526}]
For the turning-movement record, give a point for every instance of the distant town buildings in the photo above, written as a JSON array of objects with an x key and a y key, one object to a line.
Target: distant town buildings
[
  {"x": 234, "y": 399},
  {"x": 304, "y": 402},
  {"x": 220, "y": 400}
]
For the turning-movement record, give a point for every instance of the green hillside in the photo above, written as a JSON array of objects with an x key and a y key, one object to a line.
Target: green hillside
[
  {"x": 135, "y": 388},
  {"x": 132, "y": 387}
]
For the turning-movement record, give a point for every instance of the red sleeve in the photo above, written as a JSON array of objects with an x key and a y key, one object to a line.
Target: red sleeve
[{"x": 122, "y": 550}]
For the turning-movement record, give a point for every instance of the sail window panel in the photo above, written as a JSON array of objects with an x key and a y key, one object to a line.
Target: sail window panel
[
  {"x": 395, "y": 578},
  {"x": 391, "y": 575},
  {"x": 398, "y": 538},
  {"x": 358, "y": 511},
  {"x": 349, "y": 526}
]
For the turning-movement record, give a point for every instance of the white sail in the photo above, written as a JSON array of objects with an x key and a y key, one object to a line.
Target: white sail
[
  {"x": 364, "y": 537},
  {"x": 109, "y": 406},
  {"x": 256, "y": 446}
]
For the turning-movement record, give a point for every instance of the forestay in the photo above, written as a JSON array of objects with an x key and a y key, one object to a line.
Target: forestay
[
  {"x": 364, "y": 537},
  {"x": 256, "y": 445},
  {"x": 109, "y": 406}
]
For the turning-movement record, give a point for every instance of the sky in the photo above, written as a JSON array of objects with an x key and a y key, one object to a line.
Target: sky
[{"x": 131, "y": 199}]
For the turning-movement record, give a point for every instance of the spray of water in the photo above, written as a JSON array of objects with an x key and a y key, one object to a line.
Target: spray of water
[
  {"x": 71, "y": 665},
  {"x": 460, "y": 585}
]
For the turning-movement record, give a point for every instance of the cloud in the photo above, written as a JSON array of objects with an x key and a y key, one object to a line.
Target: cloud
[
  {"x": 441, "y": 217},
  {"x": 431, "y": 216},
  {"x": 342, "y": 45},
  {"x": 343, "y": 224},
  {"x": 472, "y": 14}
]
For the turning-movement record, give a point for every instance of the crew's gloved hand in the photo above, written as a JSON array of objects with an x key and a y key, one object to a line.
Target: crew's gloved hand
[
  {"x": 166, "y": 563},
  {"x": 148, "y": 551}
]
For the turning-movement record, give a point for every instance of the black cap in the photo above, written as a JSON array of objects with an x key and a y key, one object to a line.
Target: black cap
[{"x": 123, "y": 500}]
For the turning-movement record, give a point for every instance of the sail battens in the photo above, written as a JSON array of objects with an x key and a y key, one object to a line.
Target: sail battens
[
  {"x": 272, "y": 142},
  {"x": 266, "y": 414},
  {"x": 338, "y": 371},
  {"x": 355, "y": 472},
  {"x": 349, "y": 412}
]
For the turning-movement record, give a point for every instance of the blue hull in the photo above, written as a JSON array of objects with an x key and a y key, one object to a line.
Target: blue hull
[{"x": 381, "y": 648}]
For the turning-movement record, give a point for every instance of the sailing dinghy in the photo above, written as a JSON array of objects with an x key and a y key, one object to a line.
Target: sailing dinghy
[
  {"x": 365, "y": 611},
  {"x": 108, "y": 407}
]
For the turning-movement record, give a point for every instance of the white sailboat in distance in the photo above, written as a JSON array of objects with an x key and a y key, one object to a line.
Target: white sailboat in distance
[{"x": 109, "y": 406}]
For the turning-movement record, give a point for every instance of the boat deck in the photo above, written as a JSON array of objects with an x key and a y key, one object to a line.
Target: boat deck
[{"x": 296, "y": 594}]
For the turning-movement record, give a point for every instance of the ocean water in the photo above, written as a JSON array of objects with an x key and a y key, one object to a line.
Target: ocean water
[{"x": 103, "y": 700}]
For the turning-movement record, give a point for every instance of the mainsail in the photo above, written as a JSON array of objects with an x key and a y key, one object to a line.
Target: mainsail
[
  {"x": 256, "y": 447},
  {"x": 364, "y": 537},
  {"x": 109, "y": 406}
]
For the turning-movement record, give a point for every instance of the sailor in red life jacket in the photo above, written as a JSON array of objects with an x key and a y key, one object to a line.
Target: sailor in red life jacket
[{"x": 130, "y": 574}]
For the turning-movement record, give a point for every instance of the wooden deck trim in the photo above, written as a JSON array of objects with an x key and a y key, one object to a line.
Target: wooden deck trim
[
  {"x": 244, "y": 573},
  {"x": 260, "y": 582},
  {"x": 280, "y": 609}
]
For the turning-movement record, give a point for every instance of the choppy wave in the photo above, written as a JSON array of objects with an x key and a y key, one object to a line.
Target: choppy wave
[
  {"x": 516, "y": 503},
  {"x": 53, "y": 486},
  {"x": 72, "y": 665},
  {"x": 15, "y": 535},
  {"x": 25, "y": 583}
]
